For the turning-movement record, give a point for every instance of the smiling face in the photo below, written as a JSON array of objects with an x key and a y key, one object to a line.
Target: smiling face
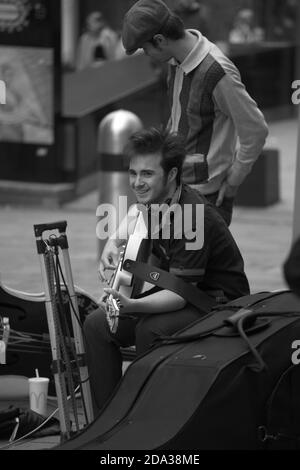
[{"x": 148, "y": 180}]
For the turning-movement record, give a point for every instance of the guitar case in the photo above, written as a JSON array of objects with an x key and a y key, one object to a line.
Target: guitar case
[{"x": 210, "y": 388}]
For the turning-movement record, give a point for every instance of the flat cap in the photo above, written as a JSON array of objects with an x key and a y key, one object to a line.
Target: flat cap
[{"x": 144, "y": 19}]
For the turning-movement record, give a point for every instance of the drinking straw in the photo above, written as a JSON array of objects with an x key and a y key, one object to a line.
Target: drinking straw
[{"x": 37, "y": 373}]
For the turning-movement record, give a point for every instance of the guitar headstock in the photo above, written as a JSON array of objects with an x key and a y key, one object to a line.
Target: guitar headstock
[
  {"x": 111, "y": 282},
  {"x": 5, "y": 330},
  {"x": 112, "y": 313}
]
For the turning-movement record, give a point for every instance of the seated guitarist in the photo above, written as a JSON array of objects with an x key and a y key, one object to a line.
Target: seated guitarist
[{"x": 216, "y": 266}]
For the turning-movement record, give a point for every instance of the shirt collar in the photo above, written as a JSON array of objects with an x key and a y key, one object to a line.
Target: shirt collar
[
  {"x": 171, "y": 202},
  {"x": 197, "y": 54},
  {"x": 176, "y": 196}
]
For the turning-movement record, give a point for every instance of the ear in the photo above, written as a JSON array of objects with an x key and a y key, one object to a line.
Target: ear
[
  {"x": 172, "y": 175},
  {"x": 159, "y": 40}
]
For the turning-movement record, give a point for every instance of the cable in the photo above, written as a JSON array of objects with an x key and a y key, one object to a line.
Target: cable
[
  {"x": 61, "y": 319},
  {"x": 69, "y": 296},
  {"x": 35, "y": 429},
  {"x": 194, "y": 337},
  {"x": 57, "y": 348},
  {"x": 58, "y": 270},
  {"x": 182, "y": 339},
  {"x": 252, "y": 348},
  {"x": 81, "y": 328},
  {"x": 240, "y": 328},
  {"x": 187, "y": 338}
]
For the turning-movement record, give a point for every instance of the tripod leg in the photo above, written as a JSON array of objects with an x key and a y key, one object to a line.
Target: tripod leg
[
  {"x": 79, "y": 344},
  {"x": 60, "y": 385},
  {"x": 52, "y": 314}
]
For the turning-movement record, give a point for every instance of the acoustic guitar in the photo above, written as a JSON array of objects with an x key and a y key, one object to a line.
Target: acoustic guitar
[{"x": 122, "y": 281}]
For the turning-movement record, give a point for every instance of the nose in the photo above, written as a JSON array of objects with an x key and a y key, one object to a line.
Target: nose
[{"x": 138, "y": 182}]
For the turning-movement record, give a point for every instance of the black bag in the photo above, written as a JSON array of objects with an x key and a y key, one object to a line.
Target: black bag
[
  {"x": 217, "y": 385},
  {"x": 282, "y": 430},
  {"x": 17, "y": 422}
]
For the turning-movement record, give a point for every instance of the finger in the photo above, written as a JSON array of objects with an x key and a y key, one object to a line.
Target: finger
[
  {"x": 231, "y": 191},
  {"x": 111, "y": 291},
  {"x": 112, "y": 264},
  {"x": 101, "y": 271},
  {"x": 221, "y": 195},
  {"x": 103, "y": 298},
  {"x": 108, "y": 263},
  {"x": 116, "y": 295},
  {"x": 111, "y": 267},
  {"x": 102, "y": 303},
  {"x": 101, "y": 276}
]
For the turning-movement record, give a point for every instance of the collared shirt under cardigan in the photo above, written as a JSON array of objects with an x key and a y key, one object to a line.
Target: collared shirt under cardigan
[{"x": 212, "y": 110}]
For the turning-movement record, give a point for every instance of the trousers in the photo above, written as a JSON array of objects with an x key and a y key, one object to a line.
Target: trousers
[
  {"x": 104, "y": 358},
  {"x": 225, "y": 209}
]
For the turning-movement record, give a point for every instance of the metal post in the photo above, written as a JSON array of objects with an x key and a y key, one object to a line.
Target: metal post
[
  {"x": 113, "y": 134},
  {"x": 69, "y": 32}
]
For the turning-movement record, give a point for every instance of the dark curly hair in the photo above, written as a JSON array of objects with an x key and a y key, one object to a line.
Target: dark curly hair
[{"x": 170, "y": 145}]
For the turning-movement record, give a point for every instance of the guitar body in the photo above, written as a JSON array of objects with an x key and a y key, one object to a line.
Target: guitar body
[{"x": 27, "y": 314}]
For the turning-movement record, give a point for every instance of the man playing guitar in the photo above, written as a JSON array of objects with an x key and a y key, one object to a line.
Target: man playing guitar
[{"x": 216, "y": 267}]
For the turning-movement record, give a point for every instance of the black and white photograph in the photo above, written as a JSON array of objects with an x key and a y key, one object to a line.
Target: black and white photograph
[{"x": 149, "y": 228}]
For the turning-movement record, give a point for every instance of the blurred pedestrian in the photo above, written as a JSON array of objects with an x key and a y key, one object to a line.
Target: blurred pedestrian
[
  {"x": 97, "y": 44},
  {"x": 193, "y": 14},
  {"x": 244, "y": 30}
]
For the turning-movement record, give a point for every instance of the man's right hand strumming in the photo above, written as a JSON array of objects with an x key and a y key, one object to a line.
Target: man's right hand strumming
[{"x": 109, "y": 259}]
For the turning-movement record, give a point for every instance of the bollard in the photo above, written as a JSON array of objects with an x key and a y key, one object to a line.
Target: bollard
[{"x": 113, "y": 134}]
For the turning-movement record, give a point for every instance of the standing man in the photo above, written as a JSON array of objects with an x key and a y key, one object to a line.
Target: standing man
[
  {"x": 210, "y": 106},
  {"x": 215, "y": 266}
]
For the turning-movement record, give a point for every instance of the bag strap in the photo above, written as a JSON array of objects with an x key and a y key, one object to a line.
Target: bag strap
[
  {"x": 282, "y": 429},
  {"x": 166, "y": 280}
]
